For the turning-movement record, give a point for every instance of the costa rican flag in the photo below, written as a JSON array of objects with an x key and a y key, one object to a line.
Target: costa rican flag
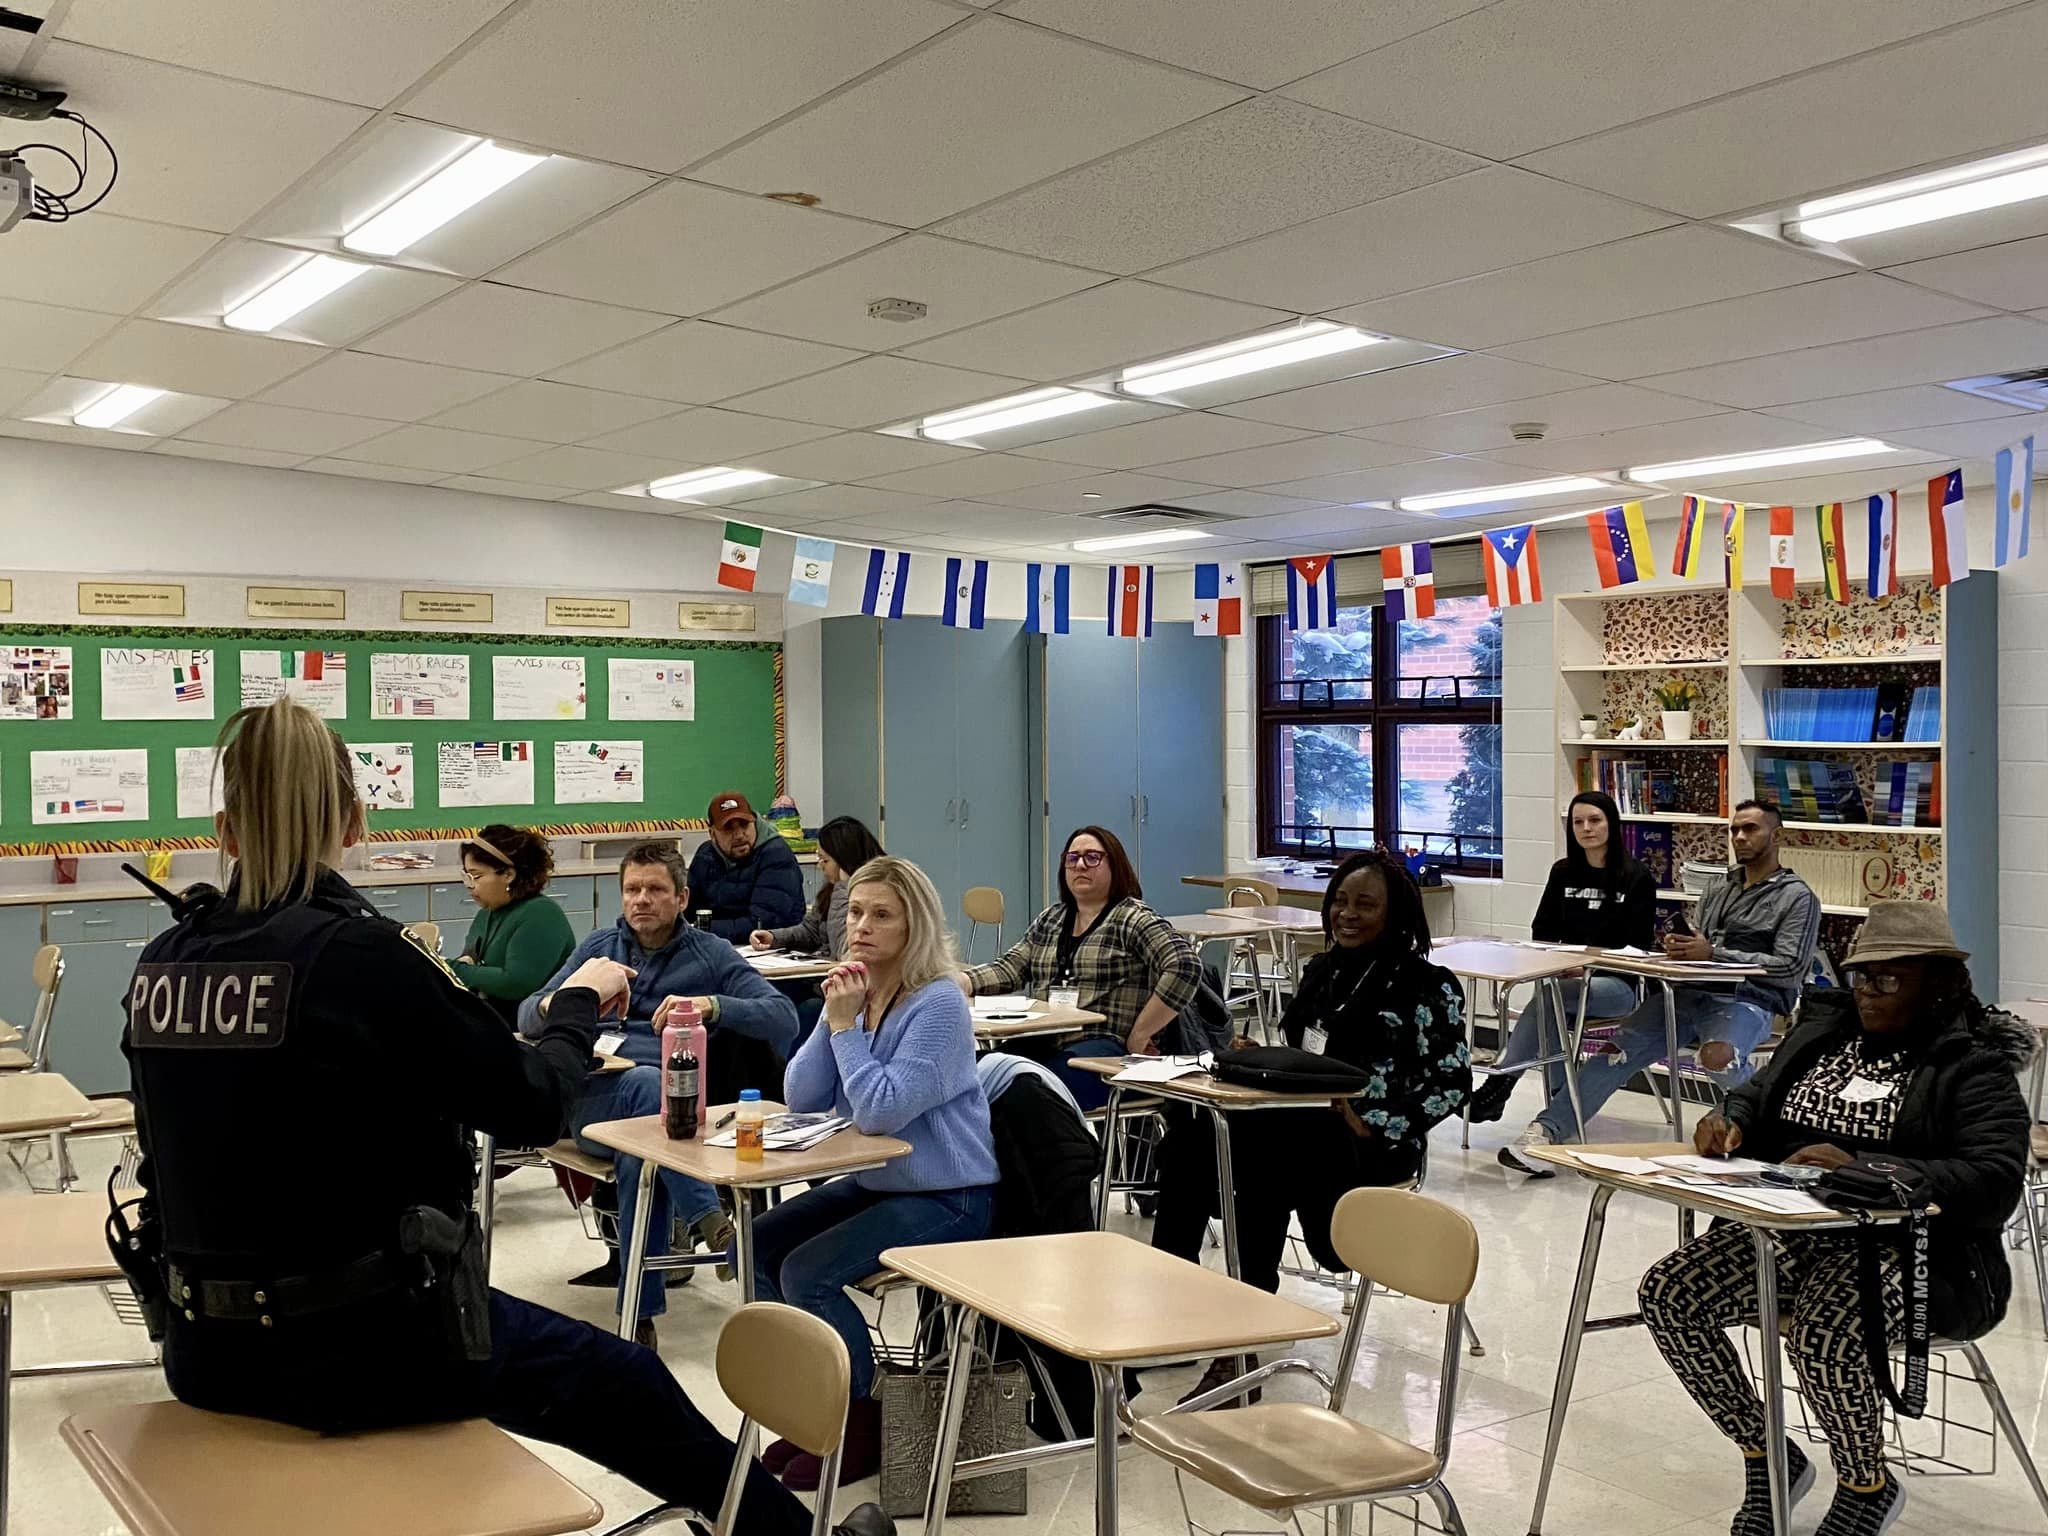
[
  {"x": 1047, "y": 611},
  {"x": 1130, "y": 601},
  {"x": 888, "y": 579},
  {"x": 1946, "y": 529},
  {"x": 1512, "y": 575},
  {"x": 966, "y": 593},
  {"x": 1409, "y": 576},
  {"x": 1219, "y": 602},
  {"x": 1312, "y": 592}
]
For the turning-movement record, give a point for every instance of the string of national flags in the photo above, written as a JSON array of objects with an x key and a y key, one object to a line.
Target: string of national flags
[{"x": 1620, "y": 537}]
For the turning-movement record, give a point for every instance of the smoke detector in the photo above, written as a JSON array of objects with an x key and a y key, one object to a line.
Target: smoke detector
[
  {"x": 902, "y": 311},
  {"x": 1529, "y": 431}
]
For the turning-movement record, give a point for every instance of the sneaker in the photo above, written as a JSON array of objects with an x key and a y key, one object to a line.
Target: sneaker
[
  {"x": 605, "y": 1276},
  {"x": 713, "y": 1233},
  {"x": 1754, "y": 1518},
  {"x": 1223, "y": 1369},
  {"x": 1855, "y": 1513},
  {"x": 1534, "y": 1134},
  {"x": 1490, "y": 1102}
]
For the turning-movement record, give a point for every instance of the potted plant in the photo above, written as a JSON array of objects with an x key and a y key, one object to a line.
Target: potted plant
[
  {"x": 1589, "y": 727},
  {"x": 1676, "y": 698}
]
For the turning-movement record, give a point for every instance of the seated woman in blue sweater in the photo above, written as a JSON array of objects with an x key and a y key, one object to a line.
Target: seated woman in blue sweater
[{"x": 896, "y": 1056}]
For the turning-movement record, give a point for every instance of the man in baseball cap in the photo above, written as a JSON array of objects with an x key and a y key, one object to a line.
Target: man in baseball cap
[{"x": 744, "y": 874}]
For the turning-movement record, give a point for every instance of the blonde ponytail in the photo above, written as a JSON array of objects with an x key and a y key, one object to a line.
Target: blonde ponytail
[{"x": 288, "y": 797}]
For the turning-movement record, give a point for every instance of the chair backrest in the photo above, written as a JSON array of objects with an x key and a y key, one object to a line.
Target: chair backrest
[
  {"x": 1407, "y": 1242},
  {"x": 49, "y": 978},
  {"x": 983, "y": 904},
  {"x": 427, "y": 933},
  {"x": 788, "y": 1371},
  {"x": 1250, "y": 891},
  {"x": 48, "y": 963}
]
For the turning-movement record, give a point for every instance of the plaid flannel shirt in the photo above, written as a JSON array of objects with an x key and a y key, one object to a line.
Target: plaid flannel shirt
[{"x": 1132, "y": 953}]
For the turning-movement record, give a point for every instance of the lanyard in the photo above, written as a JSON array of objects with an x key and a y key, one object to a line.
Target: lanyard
[{"x": 1352, "y": 995}]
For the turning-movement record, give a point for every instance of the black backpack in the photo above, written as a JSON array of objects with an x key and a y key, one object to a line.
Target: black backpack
[{"x": 1284, "y": 1069}]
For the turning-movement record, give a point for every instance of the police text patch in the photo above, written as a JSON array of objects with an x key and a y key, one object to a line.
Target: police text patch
[{"x": 209, "y": 1004}]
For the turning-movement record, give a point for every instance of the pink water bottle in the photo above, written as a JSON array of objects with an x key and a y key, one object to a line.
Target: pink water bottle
[{"x": 685, "y": 1026}]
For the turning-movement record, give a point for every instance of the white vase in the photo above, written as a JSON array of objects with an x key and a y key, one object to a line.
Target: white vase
[
  {"x": 1589, "y": 728},
  {"x": 1678, "y": 725}
]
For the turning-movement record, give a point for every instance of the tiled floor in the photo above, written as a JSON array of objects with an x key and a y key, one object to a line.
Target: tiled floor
[{"x": 1638, "y": 1458}]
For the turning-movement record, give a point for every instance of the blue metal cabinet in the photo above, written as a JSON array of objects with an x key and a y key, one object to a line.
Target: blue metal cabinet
[
  {"x": 993, "y": 736},
  {"x": 604, "y": 910},
  {"x": 921, "y": 760},
  {"x": 85, "y": 1035},
  {"x": 400, "y": 903},
  {"x": 575, "y": 895},
  {"x": 1180, "y": 767},
  {"x": 1091, "y": 741},
  {"x": 850, "y": 680},
  {"x": 21, "y": 935},
  {"x": 88, "y": 922}
]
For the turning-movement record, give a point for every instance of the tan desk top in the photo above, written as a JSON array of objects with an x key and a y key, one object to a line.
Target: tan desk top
[
  {"x": 1101, "y": 1296},
  {"x": 790, "y": 970},
  {"x": 1203, "y": 926},
  {"x": 1045, "y": 1020},
  {"x": 1657, "y": 967},
  {"x": 1294, "y": 919},
  {"x": 1207, "y": 1090},
  {"x": 1692, "y": 1195},
  {"x": 54, "y": 1240},
  {"x": 1295, "y": 890},
  {"x": 847, "y": 1152},
  {"x": 1496, "y": 961},
  {"x": 39, "y": 1101}
]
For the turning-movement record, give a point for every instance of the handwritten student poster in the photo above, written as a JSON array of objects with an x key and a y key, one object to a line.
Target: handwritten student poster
[
  {"x": 600, "y": 772},
  {"x": 198, "y": 781},
  {"x": 35, "y": 682},
  {"x": 383, "y": 771},
  {"x": 155, "y": 684},
  {"x": 418, "y": 685},
  {"x": 537, "y": 687},
  {"x": 75, "y": 788},
  {"x": 486, "y": 773},
  {"x": 652, "y": 689},
  {"x": 317, "y": 679}
]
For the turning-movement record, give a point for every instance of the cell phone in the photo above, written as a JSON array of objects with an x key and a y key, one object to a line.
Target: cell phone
[
  {"x": 1680, "y": 926},
  {"x": 1799, "y": 1177}
]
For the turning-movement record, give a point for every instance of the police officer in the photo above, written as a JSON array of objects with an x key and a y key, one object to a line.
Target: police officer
[{"x": 302, "y": 1075}]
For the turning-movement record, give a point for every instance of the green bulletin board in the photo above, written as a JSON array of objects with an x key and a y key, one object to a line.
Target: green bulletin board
[{"x": 735, "y": 740}]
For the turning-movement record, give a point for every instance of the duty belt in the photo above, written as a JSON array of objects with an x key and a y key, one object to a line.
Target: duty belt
[{"x": 290, "y": 1296}]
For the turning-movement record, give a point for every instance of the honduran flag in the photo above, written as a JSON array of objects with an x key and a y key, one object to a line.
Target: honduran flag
[
  {"x": 1947, "y": 529},
  {"x": 888, "y": 580},
  {"x": 1834, "y": 551},
  {"x": 741, "y": 558},
  {"x": 1692, "y": 536},
  {"x": 1512, "y": 575},
  {"x": 2013, "y": 470},
  {"x": 1046, "y": 609},
  {"x": 1882, "y": 576},
  {"x": 1219, "y": 600},
  {"x": 1312, "y": 592},
  {"x": 1408, "y": 577},
  {"x": 966, "y": 594},
  {"x": 1130, "y": 601},
  {"x": 1621, "y": 545},
  {"x": 1784, "y": 553}
]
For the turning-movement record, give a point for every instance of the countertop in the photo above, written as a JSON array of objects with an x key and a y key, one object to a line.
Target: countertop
[{"x": 125, "y": 889}]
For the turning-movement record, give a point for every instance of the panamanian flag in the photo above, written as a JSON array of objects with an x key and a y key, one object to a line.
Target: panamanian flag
[
  {"x": 1219, "y": 600},
  {"x": 966, "y": 593},
  {"x": 1312, "y": 592},
  {"x": 888, "y": 579},
  {"x": 1512, "y": 575},
  {"x": 1130, "y": 601},
  {"x": 1408, "y": 576},
  {"x": 1046, "y": 606}
]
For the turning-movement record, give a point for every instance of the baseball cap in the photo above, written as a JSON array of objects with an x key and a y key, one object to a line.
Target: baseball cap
[{"x": 729, "y": 806}]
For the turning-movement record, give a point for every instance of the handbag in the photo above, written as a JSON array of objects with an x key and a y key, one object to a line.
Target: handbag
[
  {"x": 1284, "y": 1069},
  {"x": 1874, "y": 1182},
  {"x": 998, "y": 1401}
]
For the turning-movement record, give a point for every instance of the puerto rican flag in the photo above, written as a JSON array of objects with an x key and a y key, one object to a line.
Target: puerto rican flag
[
  {"x": 1512, "y": 575},
  {"x": 1219, "y": 600},
  {"x": 1130, "y": 601},
  {"x": 1312, "y": 592},
  {"x": 1409, "y": 576},
  {"x": 1946, "y": 528}
]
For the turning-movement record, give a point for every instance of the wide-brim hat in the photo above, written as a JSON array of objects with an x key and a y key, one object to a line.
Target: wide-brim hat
[{"x": 1905, "y": 930}]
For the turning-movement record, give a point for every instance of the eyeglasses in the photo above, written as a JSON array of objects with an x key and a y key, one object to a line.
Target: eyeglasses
[
  {"x": 1085, "y": 858},
  {"x": 471, "y": 876},
  {"x": 1883, "y": 983}
]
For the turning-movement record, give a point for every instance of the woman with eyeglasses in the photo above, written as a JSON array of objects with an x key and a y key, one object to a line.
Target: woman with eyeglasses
[
  {"x": 519, "y": 937},
  {"x": 1099, "y": 947},
  {"x": 1907, "y": 1065}
]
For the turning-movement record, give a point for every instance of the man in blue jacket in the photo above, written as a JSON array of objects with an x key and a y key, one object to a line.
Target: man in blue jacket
[
  {"x": 671, "y": 962},
  {"x": 744, "y": 874}
]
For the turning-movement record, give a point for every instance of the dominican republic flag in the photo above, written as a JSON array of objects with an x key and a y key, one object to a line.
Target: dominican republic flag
[
  {"x": 1784, "y": 554},
  {"x": 1219, "y": 600},
  {"x": 2013, "y": 469},
  {"x": 1312, "y": 592},
  {"x": 810, "y": 574},
  {"x": 1409, "y": 580},
  {"x": 1512, "y": 575},
  {"x": 1834, "y": 551},
  {"x": 1130, "y": 601},
  {"x": 1621, "y": 545},
  {"x": 1732, "y": 520},
  {"x": 888, "y": 579},
  {"x": 1692, "y": 534},
  {"x": 1882, "y": 576},
  {"x": 1947, "y": 530},
  {"x": 742, "y": 557},
  {"x": 1046, "y": 610},
  {"x": 966, "y": 593}
]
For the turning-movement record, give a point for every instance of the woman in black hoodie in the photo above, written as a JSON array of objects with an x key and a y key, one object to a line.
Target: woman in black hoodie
[{"x": 1908, "y": 1063}]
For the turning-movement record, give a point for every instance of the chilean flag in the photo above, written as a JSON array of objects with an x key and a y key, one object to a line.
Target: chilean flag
[
  {"x": 1512, "y": 574},
  {"x": 1219, "y": 602},
  {"x": 1946, "y": 528},
  {"x": 1312, "y": 592},
  {"x": 1409, "y": 578},
  {"x": 1130, "y": 601}
]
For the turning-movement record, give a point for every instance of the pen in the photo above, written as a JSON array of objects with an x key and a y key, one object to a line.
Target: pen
[{"x": 727, "y": 1119}]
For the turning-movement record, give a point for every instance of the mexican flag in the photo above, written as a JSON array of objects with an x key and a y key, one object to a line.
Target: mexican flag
[{"x": 742, "y": 557}]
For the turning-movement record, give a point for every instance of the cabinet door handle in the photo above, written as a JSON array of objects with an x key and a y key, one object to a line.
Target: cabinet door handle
[
  {"x": 1134, "y": 810},
  {"x": 98, "y": 922},
  {"x": 963, "y": 812},
  {"x": 1144, "y": 809},
  {"x": 951, "y": 806}
]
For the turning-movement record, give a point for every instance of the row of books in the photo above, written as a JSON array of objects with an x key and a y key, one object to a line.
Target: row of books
[
  {"x": 1887, "y": 712},
  {"x": 1840, "y": 877},
  {"x": 1812, "y": 789},
  {"x": 1641, "y": 789},
  {"x": 1651, "y": 845},
  {"x": 1908, "y": 792},
  {"x": 1696, "y": 876}
]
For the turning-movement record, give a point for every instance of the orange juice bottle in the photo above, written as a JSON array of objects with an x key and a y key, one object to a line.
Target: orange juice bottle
[{"x": 747, "y": 1129}]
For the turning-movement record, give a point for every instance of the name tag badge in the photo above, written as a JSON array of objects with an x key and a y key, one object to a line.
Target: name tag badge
[
  {"x": 609, "y": 1042},
  {"x": 1064, "y": 997},
  {"x": 1861, "y": 1090},
  {"x": 1315, "y": 1040}
]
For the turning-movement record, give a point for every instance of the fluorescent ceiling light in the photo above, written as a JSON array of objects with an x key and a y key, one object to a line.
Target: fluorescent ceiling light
[
  {"x": 1522, "y": 491},
  {"x": 299, "y": 289},
  {"x": 1140, "y": 540},
  {"x": 116, "y": 405},
  {"x": 702, "y": 482},
  {"x": 458, "y": 186},
  {"x": 1248, "y": 354},
  {"x": 1010, "y": 411},
  {"x": 1961, "y": 189},
  {"x": 1763, "y": 458}
]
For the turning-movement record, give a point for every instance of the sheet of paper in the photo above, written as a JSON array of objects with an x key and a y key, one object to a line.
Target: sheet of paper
[
  {"x": 1162, "y": 1069},
  {"x": 1782, "y": 1202},
  {"x": 1008, "y": 1002},
  {"x": 384, "y": 779},
  {"x": 1575, "y": 949},
  {"x": 198, "y": 782},
  {"x": 537, "y": 688},
  {"x": 1687, "y": 1162},
  {"x": 486, "y": 773},
  {"x": 317, "y": 679},
  {"x": 35, "y": 682},
  {"x": 418, "y": 685},
  {"x": 600, "y": 772},
  {"x": 1610, "y": 1163},
  {"x": 137, "y": 684},
  {"x": 652, "y": 688},
  {"x": 78, "y": 788}
]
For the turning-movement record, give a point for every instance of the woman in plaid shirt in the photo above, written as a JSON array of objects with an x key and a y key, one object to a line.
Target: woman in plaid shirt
[{"x": 1100, "y": 948}]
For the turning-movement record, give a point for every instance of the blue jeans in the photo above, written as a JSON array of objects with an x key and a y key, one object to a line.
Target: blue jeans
[
  {"x": 1608, "y": 997},
  {"x": 1090, "y": 1089},
  {"x": 626, "y": 1096},
  {"x": 1703, "y": 1016},
  {"x": 808, "y": 1250}
]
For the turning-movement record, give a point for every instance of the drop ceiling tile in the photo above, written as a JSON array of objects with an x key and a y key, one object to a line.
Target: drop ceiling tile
[
  {"x": 584, "y": 469},
  {"x": 1402, "y": 394},
  {"x": 1249, "y": 169},
  {"x": 489, "y": 486},
  {"x": 237, "y": 270},
  {"x": 1967, "y": 440},
  {"x": 1570, "y": 413},
  {"x": 551, "y": 413},
  {"x": 438, "y": 448},
  {"x": 1098, "y": 493},
  {"x": 195, "y": 149},
  {"x": 1882, "y": 362},
  {"x": 988, "y": 108},
  {"x": 509, "y": 330},
  {"x": 695, "y": 362},
  {"x": 391, "y": 472},
  {"x": 708, "y": 436},
  {"x": 1699, "y": 438},
  {"x": 344, "y": 52},
  {"x": 876, "y": 391},
  {"x": 983, "y": 475},
  {"x": 1835, "y": 309},
  {"x": 49, "y": 432},
  {"x": 953, "y": 519},
  {"x": 1418, "y": 477},
  {"x": 2010, "y": 276},
  {"x": 389, "y": 388},
  {"x": 1106, "y": 327},
  {"x": 602, "y": 78},
  {"x": 1247, "y": 504},
  {"x": 1493, "y": 218},
  {"x": 17, "y": 385},
  {"x": 1830, "y": 128},
  {"x": 281, "y": 429},
  {"x": 44, "y": 338},
  {"x": 1184, "y": 435},
  {"x": 1293, "y": 460},
  {"x": 1647, "y": 274},
  {"x": 827, "y": 504},
  {"x": 1880, "y": 411},
  {"x": 685, "y": 248},
  {"x": 99, "y": 262},
  {"x": 192, "y": 361},
  {"x": 857, "y": 456},
  {"x": 263, "y": 458}
]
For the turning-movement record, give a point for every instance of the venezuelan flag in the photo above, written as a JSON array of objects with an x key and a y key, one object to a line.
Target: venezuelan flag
[
  {"x": 1621, "y": 545},
  {"x": 1692, "y": 533}
]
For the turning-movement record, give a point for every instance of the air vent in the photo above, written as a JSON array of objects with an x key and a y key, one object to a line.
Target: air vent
[
  {"x": 2027, "y": 390},
  {"x": 1155, "y": 512}
]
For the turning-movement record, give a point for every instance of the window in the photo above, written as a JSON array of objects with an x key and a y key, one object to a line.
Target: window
[{"x": 1418, "y": 700}]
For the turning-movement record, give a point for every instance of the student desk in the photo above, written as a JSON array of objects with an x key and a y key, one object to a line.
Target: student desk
[
  {"x": 1505, "y": 967},
  {"x": 847, "y": 1152},
  {"x": 1669, "y": 975},
  {"x": 36, "y": 1104},
  {"x": 1761, "y": 1224},
  {"x": 1220, "y": 1099},
  {"x": 780, "y": 967},
  {"x": 1044, "y": 1019},
  {"x": 1100, "y": 1297}
]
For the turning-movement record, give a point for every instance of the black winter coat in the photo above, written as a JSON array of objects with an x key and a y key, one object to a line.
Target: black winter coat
[{"x": 1046, "y": 1158}]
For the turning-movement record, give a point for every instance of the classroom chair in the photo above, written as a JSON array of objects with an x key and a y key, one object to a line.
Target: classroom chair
[
  {"x": 428, "y": 933},
  {"x": 788, "y": 1372},
  {"x": 1259, "y": 962},
  {"x": 983, "y": 905},
  {"x": 1284, "y": 1457},
  {"x": 2033, "y": 1215},
  {"x": 33, "y": 1053}
]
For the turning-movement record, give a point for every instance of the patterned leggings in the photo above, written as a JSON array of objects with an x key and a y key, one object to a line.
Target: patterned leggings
[{"x": 1692, "y": 1296}]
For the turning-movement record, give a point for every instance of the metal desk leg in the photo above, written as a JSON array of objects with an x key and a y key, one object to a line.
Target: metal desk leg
[
  {"x": 1671, "y": 1059},
  {"x": 487, "y": 1190},
  {"x": 1574, "y": 1335},
  {"x": 1774, "y": 1379},
  {"x": 6, "y": 1392},
  {"x": 1109, "y": 1134},
  {"x": 636, "y": 1253},
  {"x": 1108, "y": 1395},
  {"x": 959, "y": 1372},
  {"x": 1465, "y": 1113},
  {"x": 1568, "y": 1046},
  {"x": 744, "y": 1201},
  {"x": 1226, "y": 1189}
]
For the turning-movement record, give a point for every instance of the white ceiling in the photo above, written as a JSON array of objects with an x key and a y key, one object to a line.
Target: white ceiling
[{"x": 1536, "y": 193}]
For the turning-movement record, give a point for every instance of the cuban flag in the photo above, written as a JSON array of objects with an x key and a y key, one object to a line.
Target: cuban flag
[
  {"x": 2013, "y": 470},
  {"x": 1312, "y": 592},
  {"x": 1046, "y": 610},
  {"x": 966, "y": 593},
  {"x": 1130, "y": 601},
  {"x": 1947, "y": 530},
  {"x": 1512, "y": 575},
  {"x": 1408, "y": 574},
  {"x": 1882, "y": 576},
  {"x": 888, "y": 579},
  {"x": 1219, "y": 600}
]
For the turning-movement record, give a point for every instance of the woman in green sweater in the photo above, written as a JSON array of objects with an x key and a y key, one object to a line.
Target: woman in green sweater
[{"x": 519, "y": 937}]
